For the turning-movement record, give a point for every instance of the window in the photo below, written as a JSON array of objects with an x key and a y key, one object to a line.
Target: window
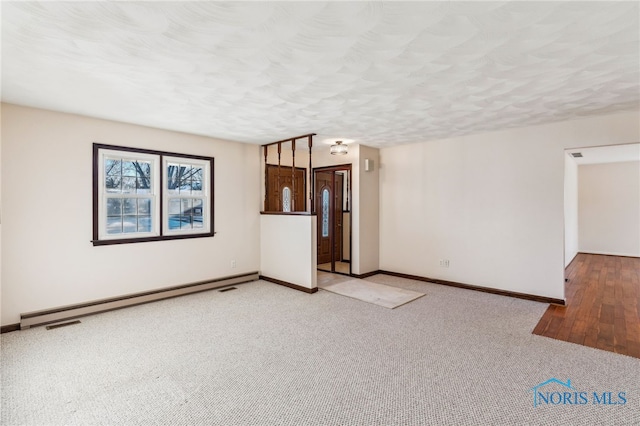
[
  {"x": 286, "y": 199},
  {"x": 142, "y": 195},
  {"x": 325, "y": 212}
]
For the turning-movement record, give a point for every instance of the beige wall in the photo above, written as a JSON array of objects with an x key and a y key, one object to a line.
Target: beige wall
[
  {"x": 492, "y": 204},
  {"x": 288, "y": 249},
  {"x": 47, "y": 259},
  {"x": 369, "y": 208},
  {"x": 609, "y": 208},
  {"x": 570, "y": 209}
]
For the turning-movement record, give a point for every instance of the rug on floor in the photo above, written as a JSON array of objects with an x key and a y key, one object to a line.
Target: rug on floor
[{"x": 378, "y": 294}]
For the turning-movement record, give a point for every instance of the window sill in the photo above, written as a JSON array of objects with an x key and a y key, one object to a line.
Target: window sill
[
  {"x": 290, "y": 213},
  {"x": 147, "y": 239}
]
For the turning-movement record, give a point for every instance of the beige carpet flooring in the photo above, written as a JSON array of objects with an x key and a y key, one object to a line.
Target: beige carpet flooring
[{"x": 265, "y": 354}]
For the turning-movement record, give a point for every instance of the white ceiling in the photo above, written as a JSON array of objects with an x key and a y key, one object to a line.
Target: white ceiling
[
  {"x": 607, "y": 154},
  {"x": 376, "y": 73}
]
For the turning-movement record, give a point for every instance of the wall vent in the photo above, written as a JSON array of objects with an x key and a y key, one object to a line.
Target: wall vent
[{"x": 576, "y": 154}]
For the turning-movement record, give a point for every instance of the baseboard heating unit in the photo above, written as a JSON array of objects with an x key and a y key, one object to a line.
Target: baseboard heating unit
[{"x": 63, "y": 313}]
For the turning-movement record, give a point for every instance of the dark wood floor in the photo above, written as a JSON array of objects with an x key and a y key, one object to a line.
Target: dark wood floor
[{"x": 603, "y": 305}]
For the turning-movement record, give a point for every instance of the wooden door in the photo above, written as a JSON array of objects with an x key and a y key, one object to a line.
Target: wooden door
[
  {"x": 338, "y": 201},
  {"x": 329, "y": 204},
  {"x": 324, "y": 194},
  {"x": 280, "y": 189}
]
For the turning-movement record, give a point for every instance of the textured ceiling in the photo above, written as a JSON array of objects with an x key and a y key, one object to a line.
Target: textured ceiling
[{"x": 377, "y": 73}]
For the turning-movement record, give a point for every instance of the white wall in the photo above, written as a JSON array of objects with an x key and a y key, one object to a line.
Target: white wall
[
  {"x": 48, "y": 260},
  {"x": 493, "y": 204},
  {"x": 288, "y": 249},
  {"x": 570, "y": 209},
  {"x": 609, "y": 208}
]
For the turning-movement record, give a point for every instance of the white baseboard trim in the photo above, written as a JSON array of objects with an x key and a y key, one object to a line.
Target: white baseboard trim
[{"x": 63, "y": 313}]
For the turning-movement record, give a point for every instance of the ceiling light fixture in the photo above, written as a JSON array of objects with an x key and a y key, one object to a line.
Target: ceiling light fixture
[{"x": 338, "y": 148}]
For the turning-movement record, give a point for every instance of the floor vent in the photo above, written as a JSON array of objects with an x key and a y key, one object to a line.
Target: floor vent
[
  {"x": 64, "y": 324},
  {"x": 70, "y": 312},
  {"x": 227, "y": 289}
]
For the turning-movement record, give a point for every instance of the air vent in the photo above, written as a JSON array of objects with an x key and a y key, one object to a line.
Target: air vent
[
  {"x": 64, "y": 324},
  {"x": 576, "y": 154}
]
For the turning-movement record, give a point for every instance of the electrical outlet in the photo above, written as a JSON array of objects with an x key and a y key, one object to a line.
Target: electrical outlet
[
  {"x": 444, "y": 263},
  {"x": 233, "y": 264}
]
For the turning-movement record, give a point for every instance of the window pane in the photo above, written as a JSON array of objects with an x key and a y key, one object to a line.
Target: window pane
[
  {"x": 198, "y": 222},
  {"x": 183, "y": 181},
  {"x": 129, "y": 224},
  {"x": 185, "y": 222},
  {"x": 197, "y": 173},
  {"x": 114, "y": 206},
  {"x": 144, "y": 206},
  {"x": 143, "y": 186},
  {"x": 114, "y": 224},
  {"x": 128, "y": 168},
  {"x": 112, "y": 174},
  {"x": 112, "y": 167},
  {"x": 128, "y": 185},
  {"x": 196, "y": 187},
  {"x": 286, "y": 199},
  {"x": 174, "y": 222},
  {"x": 198, "y": 206},
  {"x": 143, "y": 170},
  {"x": 186, "y": 206},
  {"x": 144, "y": 223},
  {"x": 113, "y": 183},
  {"x": 174, "y": 206},
  {"x": 325, "y": 212},
  {"x": 129, "y": 206},
  {"x": 196, "y": 180},
  {"x": 172, "y": 177}
]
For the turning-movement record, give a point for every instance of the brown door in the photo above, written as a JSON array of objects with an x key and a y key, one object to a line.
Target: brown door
[
  {"x": 337, "y": 215},
  {"x": 329, "y": 204},
  {"x": 282, "y": 194},
  {"x": 323, "y": 206}
]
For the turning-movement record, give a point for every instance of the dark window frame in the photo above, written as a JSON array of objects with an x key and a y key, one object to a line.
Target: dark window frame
[{"x": 96, "y": 241}]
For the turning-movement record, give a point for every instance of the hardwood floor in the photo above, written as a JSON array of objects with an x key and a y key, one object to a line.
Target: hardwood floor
[{"x": 603, "y": 305}]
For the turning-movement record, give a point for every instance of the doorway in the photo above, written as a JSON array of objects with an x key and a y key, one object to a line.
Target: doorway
[{"x": 332, "y": 186}]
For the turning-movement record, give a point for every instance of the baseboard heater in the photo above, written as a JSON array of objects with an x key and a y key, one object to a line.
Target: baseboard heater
[{"x": 49, "y": 316}]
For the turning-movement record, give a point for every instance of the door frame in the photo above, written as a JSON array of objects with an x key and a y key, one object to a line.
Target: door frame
[{"x": 333, "y": 169}]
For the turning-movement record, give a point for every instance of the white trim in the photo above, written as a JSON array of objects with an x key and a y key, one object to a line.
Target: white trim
[
  {"x": 205, "y": 196},
  {"x": 103, "y": 196}
]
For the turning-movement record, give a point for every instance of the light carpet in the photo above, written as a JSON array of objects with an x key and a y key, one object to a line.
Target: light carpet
[
  {"x": 269, "y": 355},
  {"x": 370, "y": 292}
]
